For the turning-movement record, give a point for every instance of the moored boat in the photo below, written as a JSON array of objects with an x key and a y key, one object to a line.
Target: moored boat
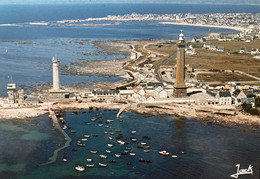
[
  {"x": 90, "y": 165},
  {"x": 87, "y": 135},
  {"x": 89, "y": 159},
  {"x": 102, "y": 156},
  {"x": 132, "y": 154},
  {"x": 110, "y": 145},
  {"x": 133, "y": 132},
  {"x": 108, "y": 151},
  {"x": 121, "y": 142},
  {"x": 80, "y": 168},
  {"x": 117, "y": 155},
  {"x": 93, "y": 151},
  {"x": 174, "y": 156},
  {"x": 164, "y": 153},
  {"x": 102, "y": 164}
]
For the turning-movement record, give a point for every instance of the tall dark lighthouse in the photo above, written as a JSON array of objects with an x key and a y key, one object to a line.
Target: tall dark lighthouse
[{"x": 180, "y": 89}]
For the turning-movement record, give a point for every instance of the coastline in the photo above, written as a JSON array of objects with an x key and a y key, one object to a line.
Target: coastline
[
  {"x": 209, "y": 114},
  {"x": 205, "y": 25}
]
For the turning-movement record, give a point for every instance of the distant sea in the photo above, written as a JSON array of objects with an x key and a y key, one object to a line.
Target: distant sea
[{"x": 26, "y": 50}]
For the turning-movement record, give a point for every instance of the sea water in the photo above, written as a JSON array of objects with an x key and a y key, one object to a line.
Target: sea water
[
  {"x": 210, "y": 151},
  {"x": 26, "y": 50}
]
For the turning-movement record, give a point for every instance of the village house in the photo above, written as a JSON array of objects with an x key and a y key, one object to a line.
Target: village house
[
  {"x": 198, "y": 40},
  {"x": 220, "y": 49},
  {"x": 224, "y": 97},
  {"x": 190, "y": 50},
  {"x": 242, "y": 50},
  {"x": 160, "y": 92},
  {"x": 238, "y": 95},
  {"x": 104, "y": 93},
  {"x": 254, "y": 51}
]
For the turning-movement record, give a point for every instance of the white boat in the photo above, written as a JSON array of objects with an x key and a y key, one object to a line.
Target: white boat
[
  {"x": 102, "y": 164},
  {"x": 143, "y": 143},
  {"x": 133, "y": 132},
  {"x": 117, "y": 155},
  {"x": 146, "y": 151},
  {"x": 100, "y": 125},
  {"x": 90, "y": 165},
  {"x": 121, "y": 142},
  {"x": 84, "y": 139},
  {"x": 87, "y": 136},
  {"x": 89, "y": 159},
  {"x": 65, "y": 127},
  {"x": 110, "y": 120},
  {"x": 132, "y": 154},
  {"x": 93, "y": 151},
  {"x": 65, "y": 160},
  {"x": 108, "y": 151},
  {"x": 110, "y": 145},
  {"x": 174, "y": 156},
  {"x": 111, "y": 138},
  {"x": 164, "y": 153},
  {"x": 134, "y": 139},
  {"x": 102, "y": 156},
  {"x": 80, "y": 168}
]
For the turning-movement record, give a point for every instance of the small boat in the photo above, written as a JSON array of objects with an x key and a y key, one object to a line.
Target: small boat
[
  {"x": 81, "y": 145},
  {"x": 124, "y": 153},
  {"x": 110, "y": 121},
  {"x": 111, "y": 127},
  {"x": 94, "y": 135},
  {"x": 128, "y": 148},
  {"x": 140, "y": 146},
  {"x": 143, "y": 143},
  {"x": 110, "y": 145},
  {"x": 100, "y": 122},
  {"x": 132, "y": 154},
  {"x": 164, "y": 153},
  {"x": 121, "y": 142},
  {"x": 120, "y": 120},
  {"x": 128, "y": 163},
  {"x": 100, "y": 125},
  {"x": 90, "y": 165},
  {"x": 118, "y": 130},
  {"x": 133, "y": 132},
  {"x": 80, "y": 168},
  {"x": 147, "y": 147},
  {"x": 111, "y": 138},
  {"x": 141, "y": 160},
  {"x": 146, "y": 151},
  {"x": 117, "y": 155},
  {"x": 84, "y": 139},
  {"x": 73, "y": 131},
  {"x": 87, "y": 136},
  {"x": 108, "y": 151},
  {"x": 134, "y": 139},
  {"x": 183, "y": 152},
  {"x": 112, "y": 161},
  {"x": 102, "y": 164},
  {"x": 102, "y": 156},
  {"x": 111, "y": 133},
  {"x": 93, "y": 119},
  {"x": 149, "y": 161},
  {"x": 65, "y": 160},
  {"x": 74, "y": 149},
  {"x": 93, "y": 151},
  {"x": 174, "y": 156},
  {"x": 65, "y": 127},
  {"x": 105, "y": 132},
  {"x": 79, "y": 142},
  {"x": 89, "y": 159}
]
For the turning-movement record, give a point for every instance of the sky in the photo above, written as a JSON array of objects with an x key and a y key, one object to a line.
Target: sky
[{"x": 248, "y": 2}]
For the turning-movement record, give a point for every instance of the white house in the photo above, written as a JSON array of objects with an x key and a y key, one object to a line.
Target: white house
[
  {"x": 242, "y": 50},
  {"x": 160, "y": 92},
  {"x": 224, "y": 97}
]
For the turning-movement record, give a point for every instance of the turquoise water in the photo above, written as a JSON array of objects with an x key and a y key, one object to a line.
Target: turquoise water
[{"x": 211, "y": 151}]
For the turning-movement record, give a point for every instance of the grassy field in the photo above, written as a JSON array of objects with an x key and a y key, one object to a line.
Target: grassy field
[{"x": 223, "y": 77}]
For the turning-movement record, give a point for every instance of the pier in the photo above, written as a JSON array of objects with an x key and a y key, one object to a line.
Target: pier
[{"x": 66, "y": 137}]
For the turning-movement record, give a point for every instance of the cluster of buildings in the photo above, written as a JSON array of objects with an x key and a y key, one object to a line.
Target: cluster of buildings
[{"x": 246, "y": 20}]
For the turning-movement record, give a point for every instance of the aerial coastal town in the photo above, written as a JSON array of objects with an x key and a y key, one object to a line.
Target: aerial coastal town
[{"x": 201, "y": 77}]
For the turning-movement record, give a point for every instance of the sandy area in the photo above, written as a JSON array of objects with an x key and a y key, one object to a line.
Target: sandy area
[{"x": 207, "y": 25}]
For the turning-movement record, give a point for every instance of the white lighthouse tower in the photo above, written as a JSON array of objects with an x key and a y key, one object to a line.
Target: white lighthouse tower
[{"x": 56, "y": 77}]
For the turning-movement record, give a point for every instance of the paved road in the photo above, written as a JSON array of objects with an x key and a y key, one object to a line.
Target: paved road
[{"x": 156, "y": 71}]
